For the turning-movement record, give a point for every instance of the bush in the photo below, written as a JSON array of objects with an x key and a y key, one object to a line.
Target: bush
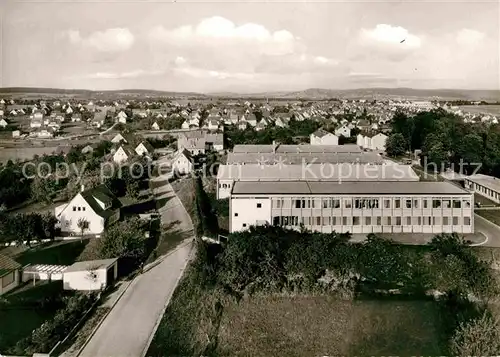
[
  {"x": 480, "y": 337},
  {"x": 44, "y": 338}
]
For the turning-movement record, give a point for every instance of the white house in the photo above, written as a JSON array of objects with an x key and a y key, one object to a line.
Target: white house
[
  {"x": 121, "y": 117},
  {"x": 118, "y": 138},
  {"x": 16, "y": 134},
  {"x": 144, "y": 148},
  {"x": 185, "y": 125},
  {"x": 213, "y": 124},
  {"x": 378, "y": 142},
  {"x": 155, "y": 126},
  {"x": 3, "y": 123},
  {"x": 343, "y": 130},
  {"x": 122, "y": 155},
  {"x": 323, "y": 137},
  {"x": 87, "y": 149},
  {"x": 97, "y": 207},
  {"x": 182, "y": 162},
  {"x": 360, "y": 140},
  {"x": 90, "y": 275}
]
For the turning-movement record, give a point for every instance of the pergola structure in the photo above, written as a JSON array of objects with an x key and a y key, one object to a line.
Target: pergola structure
[{"x": 45, "y": 272}]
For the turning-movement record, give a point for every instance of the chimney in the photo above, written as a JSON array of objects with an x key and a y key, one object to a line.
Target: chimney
[{"x": 82, "y": 188}]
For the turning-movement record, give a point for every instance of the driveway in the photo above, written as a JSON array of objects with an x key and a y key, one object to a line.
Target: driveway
[{"x": 128, "y": 328}]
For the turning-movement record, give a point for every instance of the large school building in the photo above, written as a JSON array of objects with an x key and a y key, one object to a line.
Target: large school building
[
  {"x": 337, "y": 188},
  {"x": 355, "y": 207}
]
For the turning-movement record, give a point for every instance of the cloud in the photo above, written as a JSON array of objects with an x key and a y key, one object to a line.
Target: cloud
[
  {"x": 394, "y": 43},
  {"x": 227, "y": 50},
  {"x": 225, "y": 34},
  {"x": 467, "y": 37},
  {"x": 121, "y": 75},
  {"x": 110, "y": 40},
  {"x": 391, "y": 35}
]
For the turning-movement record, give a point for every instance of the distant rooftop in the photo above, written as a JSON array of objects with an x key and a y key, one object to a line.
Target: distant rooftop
[
  {"x": 282, "y": 149},
  {"x": 297, "y": 158},
  {"x": 317, "y": 172},
  {"x": 346, "y": 188},
  {"x": 490, "y": 182}
]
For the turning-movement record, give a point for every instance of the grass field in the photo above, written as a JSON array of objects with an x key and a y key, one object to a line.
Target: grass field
[
  {"x": 25, "y": 153},
  {"x": 492, "y": 215},
  {"x": 477, "y": 109},
  {"x": 483, "y": 201},
  {"x": 207, "y": 322},
  {"x": 325, "y": 326},
  {"x": 18, "y": 318},
  {"x": 55, "y": 253}
]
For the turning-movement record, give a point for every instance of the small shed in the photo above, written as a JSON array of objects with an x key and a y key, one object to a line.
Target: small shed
[
  {"x": 91, "y": 275},
  {"x": 9, "y": 274}
]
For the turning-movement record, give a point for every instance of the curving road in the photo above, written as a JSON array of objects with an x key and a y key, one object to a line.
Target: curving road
[
  {"x": 490, "y": 230},
  {"x": 129, "y": 327}
]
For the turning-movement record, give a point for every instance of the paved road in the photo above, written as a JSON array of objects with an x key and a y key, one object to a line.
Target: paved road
[
  {"x": 126, "y": 331},
  {"x": 488, "y": 229}
]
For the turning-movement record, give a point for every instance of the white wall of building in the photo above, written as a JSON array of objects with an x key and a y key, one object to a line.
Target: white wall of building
[
  {"x": 9, "y": 281},
  {"x": 85, "y": 280},
  {"x": 249, "y": 212},
  {"x": 224, "y": 188},
  {"x": 182, "y": 164},
  {"x": 416, "y": 217},
  {"x": 79, "y": 208},
  {"x": 329, "y": 139}
]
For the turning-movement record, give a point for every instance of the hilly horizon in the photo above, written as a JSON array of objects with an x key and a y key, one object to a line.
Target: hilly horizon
[{"x": 310, "y": 93}]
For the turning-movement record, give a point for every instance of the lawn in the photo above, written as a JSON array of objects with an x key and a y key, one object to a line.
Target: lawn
[
  {"x": 477, "y": 109},
  {"x": 184, "y": 189},
  {"x": 53, "y": 253},
  {"x": 483, "y": 201},
  {"x": 206, "y": 322},
  {"x": 21, "y": 315},
  {"x": 326, "y": 326},
  {"x": 492, "y": 215}
]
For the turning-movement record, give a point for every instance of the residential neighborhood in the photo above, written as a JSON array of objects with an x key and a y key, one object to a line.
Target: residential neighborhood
[{"x": 260, "y": 179}]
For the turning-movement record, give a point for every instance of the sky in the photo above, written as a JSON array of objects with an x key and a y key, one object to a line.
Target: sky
[{"x": 249, "y": 47}]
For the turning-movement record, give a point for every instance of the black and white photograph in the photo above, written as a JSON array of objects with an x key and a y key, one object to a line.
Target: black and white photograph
[{"x": 256, "y": 178}]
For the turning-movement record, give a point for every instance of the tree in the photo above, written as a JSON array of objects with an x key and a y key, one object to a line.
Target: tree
[
  {"x": 480, "y": 337},
  {"x": 123, "y": 240},
  {"x": 396, "y": 145},
  {"x": 83, "y": 224}
]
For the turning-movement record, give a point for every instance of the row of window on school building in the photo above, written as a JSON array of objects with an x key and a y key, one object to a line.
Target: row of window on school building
[
  {"x": 371, "y": 203},
  {"x": 371, "y": 221}
]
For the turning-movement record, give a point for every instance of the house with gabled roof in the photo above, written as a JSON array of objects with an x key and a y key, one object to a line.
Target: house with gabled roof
[
  {"x": 155, "y": 126},
  {"x": 118, "y": 138},
  {"x": 213, "y": 124},
  {"x": 97, "y": 206},
  {"x": 3, "y": 123},
  {"x": 261, "y": 125},
  {"x": 122, "y": 154},
  {"x": 323, "y": 137},
  {"x": 251, "y": 119},
  {"x": 144, "y": 149},
  {"x": 121, "y": 117},
  {"x": 343, "y": 130},
  {"x": 182, "y": 162}
]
